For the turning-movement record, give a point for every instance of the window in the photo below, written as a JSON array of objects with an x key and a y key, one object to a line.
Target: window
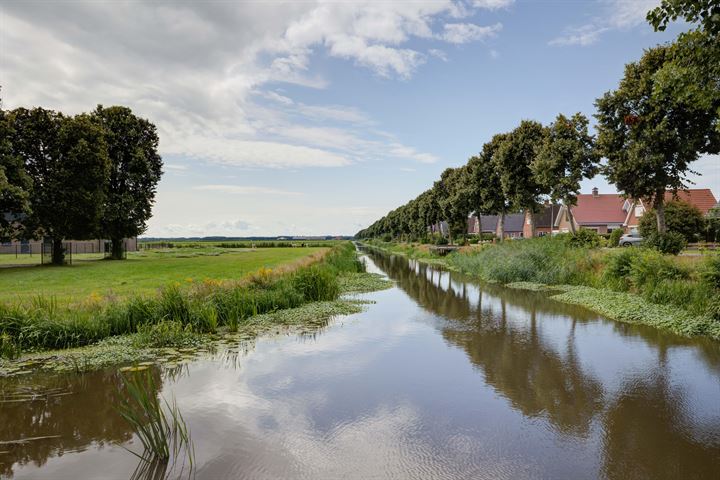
[{"x": 639, "y": 210}]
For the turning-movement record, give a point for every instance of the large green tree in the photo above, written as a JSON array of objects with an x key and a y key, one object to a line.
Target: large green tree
[
  {"x": 704, "y": 12},
  {"x": 135, "y": 170},
  {"x": 513, "y": 160},
  {"x": 66, "y": 157},
  {"x": 566, "y": 156},
  {"x": 487, "y": 197},
  {"x": 15, "y": 184},
  {"x": 650, "y": 143},
  {"x": 680, "y": 217}
]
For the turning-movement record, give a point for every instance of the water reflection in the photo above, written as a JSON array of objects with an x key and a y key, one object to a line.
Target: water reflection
[{"x": 441, "y": 378}]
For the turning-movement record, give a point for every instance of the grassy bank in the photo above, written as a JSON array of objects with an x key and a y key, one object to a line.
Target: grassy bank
[
  {"x": 179, "y": 312},
  {"x": 141, "y": 274},
  {"x": 634, "y": 285}
]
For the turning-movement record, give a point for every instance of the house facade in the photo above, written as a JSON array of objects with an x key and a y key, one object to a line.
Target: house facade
[
  {"x": 544, "y": 221},
  {"x": 701, "y": 198},
  {"x": 601, "y": 212}
]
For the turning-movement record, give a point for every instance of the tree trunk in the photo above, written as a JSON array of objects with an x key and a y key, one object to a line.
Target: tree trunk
[
  {"x": 116, "y": 248},
  {"x": 660, "y": 213},
  {"x": 501, "y": 227},
  {"x": 571, "y": 219},
  {"x": 58, "y": 252}
]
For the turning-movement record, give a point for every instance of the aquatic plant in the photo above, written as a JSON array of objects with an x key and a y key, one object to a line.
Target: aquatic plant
[{"x": 163, "y": 435}]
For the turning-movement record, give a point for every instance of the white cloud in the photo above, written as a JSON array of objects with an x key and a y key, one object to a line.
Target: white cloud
[
  {"x": 493, "y": 4},
  {"x": 618, "y": 14},
  {"x": 198, "y": 70},
  {"x": 244, "y": 190},
  {"x": 437, "y": 53},
  {"x": 583, "y": 36},
  {"x": 468, "y": 32}
]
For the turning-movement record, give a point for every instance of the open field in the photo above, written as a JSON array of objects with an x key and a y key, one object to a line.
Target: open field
[{"x": 141, "y": 274}]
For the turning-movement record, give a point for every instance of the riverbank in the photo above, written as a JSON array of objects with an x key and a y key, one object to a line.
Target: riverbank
[
  {"x": 182, "y": 320},
  {"x": 631, "y": 285}
]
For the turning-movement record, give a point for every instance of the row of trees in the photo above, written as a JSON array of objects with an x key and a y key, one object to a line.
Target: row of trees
[
  {"x": 92, "y": 175},
  {"x": 662, "y": 116}
]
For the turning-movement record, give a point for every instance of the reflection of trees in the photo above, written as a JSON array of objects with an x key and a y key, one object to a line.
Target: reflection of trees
[
  {"x": 654, "y": 439},
  {"x": 535, "y": 378},
  {"x": 78, "y": 409}
]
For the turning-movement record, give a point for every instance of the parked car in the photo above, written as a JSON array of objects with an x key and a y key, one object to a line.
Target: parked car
[{"x": 630, "y": 239}]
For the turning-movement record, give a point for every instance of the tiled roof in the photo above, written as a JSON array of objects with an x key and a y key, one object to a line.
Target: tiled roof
[
  {"x": 546, "y": 216},
  {"x": 489, "y": 223},
  {"x": 702, "y": 198},
  {"x": 514, "y": 222},
  {"x": 599, "y": 209}
]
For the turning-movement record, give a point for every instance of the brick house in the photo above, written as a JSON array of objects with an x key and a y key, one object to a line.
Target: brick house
[
  {"x": 701, "y": 198},
  {"x": 544, "y": 221},
  {"x": 602, "y": 212}
]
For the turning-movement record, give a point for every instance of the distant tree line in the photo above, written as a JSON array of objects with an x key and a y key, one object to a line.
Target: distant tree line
[
  {"x": 661, "y": 118},
  {"x": 92, "y": 175}
]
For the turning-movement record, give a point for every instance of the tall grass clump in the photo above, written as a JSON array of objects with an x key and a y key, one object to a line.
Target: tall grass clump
[
  {"x": 163, "y": 435},
  {"x": 175, "y": 313},
  {"x": 543, "y": 260}
]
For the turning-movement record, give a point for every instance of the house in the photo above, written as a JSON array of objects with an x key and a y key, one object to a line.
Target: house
[
  {"x": 701, "y": 198},
  {"x": 74, "y": 246},
  {"x": 544, "y": 221},
  {"x": 514, "y": 225},
  {"x": 602, "y": 212},
  {"x": 489, "y": 224}
]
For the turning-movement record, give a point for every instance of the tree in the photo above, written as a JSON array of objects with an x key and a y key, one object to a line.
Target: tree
[
  {"x": 680, "y": 217},
  {"x": 649, "y": 145},
  {"x": 15, "y": 184},
  {"x": 135, "y": 170},
  {"x": 487, "y": 197},
  {"x": 513, "y": 159},
  {"x": 66, "y": 157},
  {"x": 566, "y": 156},
  {"x": 705, "y": 12}
]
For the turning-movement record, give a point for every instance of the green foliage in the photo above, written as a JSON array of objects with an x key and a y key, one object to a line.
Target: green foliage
[
  {"x": 316, "y": 284},
  {"x": 15, "y": 184},
  {"x": 650, "y": 142},
  {"x": 710, "y": 273},
  {"x": 486, "y": 194},
  {"x": 614, "y": 239},
  {"x": 136, "y": 168},
  {"x": 161, "y": 437},
  {"x": 566, "y": 156},
  {"x": 176, "y": 313},
  {"x": 584, "y": 238},
  {"x": 166, "y": 333},
  {"x": 680, "y": 217},
  {"x": 670, "y": 242},
  {"x": 514, "y": 159},
  {"x": 66, "y": 158},
  {"x": 549, "y": 260},
  {"x": 8, "y": 348},
  {"x": 705, "y": 12}
]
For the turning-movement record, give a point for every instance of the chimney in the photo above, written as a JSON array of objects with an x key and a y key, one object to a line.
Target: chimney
[{"x": 595, "y": 192}]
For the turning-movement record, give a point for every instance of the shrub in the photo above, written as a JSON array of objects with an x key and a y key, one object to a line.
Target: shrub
[
  {"x": 614, "y": 239},
  {"x": 680, "y": 217},
  {"x": 710, "y": 273},
  {"x": 8, "y": 348},
  {"x": 440, "y": 240},
  {"x": 618, "y": 267},
  {"x": 584, "y": 238},
  {"x": 669, "y": 242},
  {"x": 387, "y": 237},
  {"x": 650, "y": 266}
]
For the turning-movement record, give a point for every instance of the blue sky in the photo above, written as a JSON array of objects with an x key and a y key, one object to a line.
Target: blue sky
[{"x": 315, "y": 117}]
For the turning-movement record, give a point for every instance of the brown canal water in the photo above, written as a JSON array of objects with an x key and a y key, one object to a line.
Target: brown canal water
[{"x": 441, "y": 378}]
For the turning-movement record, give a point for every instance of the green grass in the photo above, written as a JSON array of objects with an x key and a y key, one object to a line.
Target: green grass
[
  {"x": 635, "y": 285},
  {"x": 179, "y": 310},
  {"x": 143, "y": 273}
]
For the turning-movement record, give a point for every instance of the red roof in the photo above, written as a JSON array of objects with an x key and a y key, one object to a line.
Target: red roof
[
  {"x": 702, "y": 198},
  {"x": 599, "y": 209}
]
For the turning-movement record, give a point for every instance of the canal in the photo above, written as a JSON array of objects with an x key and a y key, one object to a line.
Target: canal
[{"x": 441, "y": 377}]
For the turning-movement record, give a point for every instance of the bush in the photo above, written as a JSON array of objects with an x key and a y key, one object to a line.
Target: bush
[
  {"x": 669, "y": 242},
  {"x": 618, "y": 267},
  {"x": 614, "y": 239},
  {"x": 710, "y": 273},
  {"x": 680, "y": 217},
  {"x": 650, "y": 267},
  {"x": 584, "y": 238},
  {"x": 440, "y": 240},
  {"x": 387, "y": 238}
]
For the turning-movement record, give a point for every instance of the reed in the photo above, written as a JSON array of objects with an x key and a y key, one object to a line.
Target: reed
[{"x": 163, "y": 435}]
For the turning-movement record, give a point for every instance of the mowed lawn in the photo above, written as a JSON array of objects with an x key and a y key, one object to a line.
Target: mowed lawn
[{"x": 143, "y": 273}]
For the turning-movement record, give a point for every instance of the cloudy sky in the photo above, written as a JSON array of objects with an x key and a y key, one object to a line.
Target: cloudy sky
[{"x": 314, "y": 117}]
